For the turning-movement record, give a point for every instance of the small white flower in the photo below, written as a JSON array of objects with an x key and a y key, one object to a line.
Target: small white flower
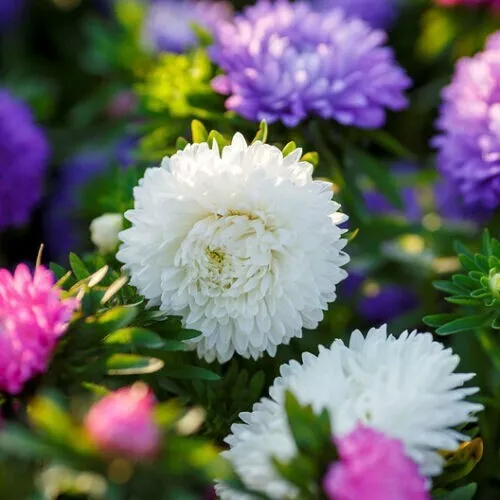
[
  {"x": 405, "y": 387},
  {"x": 104, "y": 232},
  {"x": 244, "y": 245}
]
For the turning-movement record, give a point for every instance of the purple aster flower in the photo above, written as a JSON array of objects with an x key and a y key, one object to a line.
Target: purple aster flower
[
  {"x": 377, "y": 13},
  {"x": 10, "y": 12},
  {"x": 469, "y": 122},
  {"x": 285, "y": 61},
  {"x": 169, "y": 23},
  {"x": 24, "y": 154}
]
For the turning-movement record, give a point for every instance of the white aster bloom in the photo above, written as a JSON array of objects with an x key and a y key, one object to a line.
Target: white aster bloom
[
  {"x": 243, "y": 244},
  {"x": 104, "y": 232},
  {"x": 404, "y": 387}
]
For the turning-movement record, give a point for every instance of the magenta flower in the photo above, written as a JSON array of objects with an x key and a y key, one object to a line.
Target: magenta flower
[
  {"x": 122, "y": 423},
  {"x": 373, "y": 466},
  {"x": 32, "y": 318},
  {"x": 494, "y": 4}
]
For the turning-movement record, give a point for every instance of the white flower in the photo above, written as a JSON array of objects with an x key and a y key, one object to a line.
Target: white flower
[
  {"x": 104, "y": 232},
  {"x": 244, "y": 245},
  {"x": 405, "y": 387}
]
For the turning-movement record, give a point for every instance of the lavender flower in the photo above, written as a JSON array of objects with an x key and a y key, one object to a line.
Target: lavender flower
[
  {"x": 285, "y": 61},
  {"x": 469, "y": 122},
  {"x": 377, "y": 13},
  {"x": 24, "y": 154},
  {"x": 168, "y": 26}
]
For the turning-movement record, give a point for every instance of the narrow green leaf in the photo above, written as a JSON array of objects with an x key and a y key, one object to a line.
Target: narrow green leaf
[
  {"x": 221, "y": 141},
  {"x": 79, "y": 269},
  {"x": 462, "y": 325},
  {"x": 289, "y": 148},
  {"x": 312, "y": 157},
  {"x": 135, "y": 336},
  {"x": 447, "y": 287},
  {"x": 181, "y": 143},
  {"x": 116, "y": 318},
  {"x": 132, "y": 364},
  {"x": 486, "y": 243},
  {"x": 435, "y": 320},
  {"x": 198, "y": 131},
  {"x": 58, "y": 270},
  {"x": 261, "y": 134},
  {"x": 190, "y": 372},
  {"x": 463, "y": 493}
]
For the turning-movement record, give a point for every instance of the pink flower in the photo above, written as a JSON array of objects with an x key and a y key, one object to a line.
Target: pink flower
[
  {"x": 122, "y": 423},
  {"x": 32, "y": 318},
  {"x": 373, "y": 466},
  {"x": 494, "y": 4}
]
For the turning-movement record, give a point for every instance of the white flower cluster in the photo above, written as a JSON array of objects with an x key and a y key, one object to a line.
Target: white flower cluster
[
  {"x": 242, "y": 243},
  {"x": 405, "y": 387}
]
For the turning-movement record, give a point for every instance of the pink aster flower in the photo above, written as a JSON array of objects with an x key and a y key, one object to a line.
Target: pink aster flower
[
  {"x": 122, "y": 423},
  {"x": 33, "y": 316},
  {"x": 373, "y": 466}
]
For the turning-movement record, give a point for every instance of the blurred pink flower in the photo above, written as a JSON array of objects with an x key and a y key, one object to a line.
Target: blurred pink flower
[
  {"x": 32, "y": 318},
  {"x": 122, "y": 423},
  {"x": 495, "y": 4},
  {"x": 373, "y": 466}
]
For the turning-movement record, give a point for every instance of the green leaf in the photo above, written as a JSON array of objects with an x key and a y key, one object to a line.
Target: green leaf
[
  {"x": 463, "y": 493},
  {"x": 221, "y": 141},
  {"x": 190, "y": 372},
  {"x": 289, "y": 148},
  {"x": 58, "y": 270},
  {"x": 460, "y": 248},
  {"x": 135, "y": 336},
  {"x": 435, "y": 320},
  {"x": 114, "y": 288},
  {"x": 261, "y": 134},
  {"x": 462, "y": 325},
  {"x": 390, "y": 143},
  {"x": 447, "y": 287},
  {"x": 312, "y": 157},
  {"x": 198, "y": 131},
  {"x": 79, "y": 269},
  {"x": 379, "y": 174},
  {"x": 132, "y": 364},
  {"x": 181, "y": 143},
  {"x": 116, "y": 318},
  {"x": 486, "y": 243}
]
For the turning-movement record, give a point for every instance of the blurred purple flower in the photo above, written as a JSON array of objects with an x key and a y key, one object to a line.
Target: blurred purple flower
[
  {"x": 168, "y": 25},
  {"x": 10, "y": 13},
  {"x": 378, "y": 304},
  {"x": 24, "y": 155},
  {"x": 377, "y": 13},
  {"x": 469, "y": 122},
  {"x": 65, "y": 228},
  {"x": 284, "y": 61}
]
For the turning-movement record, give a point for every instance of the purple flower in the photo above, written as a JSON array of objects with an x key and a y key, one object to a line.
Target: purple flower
[
  {"x": 380, "y": 302},
  {"x": 285, "y": 61},
  {"x": 377, "y": 13},
  {"x": 24, "y": 154},
  {"x": 373, "y": 466},
  {"x": 10, "y": 12},
  {"x": 469, "y": 122},
  {"x": 65, "y": 228},
  {"x": 168, "y": 26}
]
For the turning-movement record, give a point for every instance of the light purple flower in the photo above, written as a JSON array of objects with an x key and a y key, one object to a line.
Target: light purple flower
[
  {"x": 169, "y": 23},
  {"x": 373, "y": 466},
  {"x": 24, "y": 154},
  {"x": 377, "y": 13},
  {"x": 285, "y": 61},
  {"x": 469, "y": 122}
]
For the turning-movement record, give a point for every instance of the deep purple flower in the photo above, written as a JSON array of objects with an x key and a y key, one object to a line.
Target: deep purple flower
[
  {"x": 380, "y": 302},
  {"x": 10, "y": 12},
  {"x": 24, "y": 154},
  {"x": 377, "y": 13},
  {"x": 285, "y": 61},
  {"x": 169, "y": 23},
  {"x": 469, "y": 122}
]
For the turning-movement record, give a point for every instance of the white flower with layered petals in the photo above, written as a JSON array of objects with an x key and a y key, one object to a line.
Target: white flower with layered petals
[
  {"x": 243, "y": 244},
  {"x": 104, "y": 232},
  {"x": 404, "y": 387}
]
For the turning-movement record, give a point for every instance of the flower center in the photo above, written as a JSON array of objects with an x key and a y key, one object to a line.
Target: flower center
[{"x": 227, "y": 254}]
